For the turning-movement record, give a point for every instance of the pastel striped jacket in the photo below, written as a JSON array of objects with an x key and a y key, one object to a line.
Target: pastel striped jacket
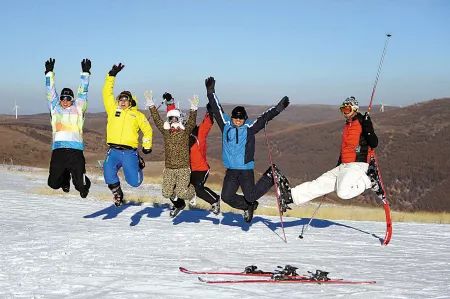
[{"x": 67, "y": 124}]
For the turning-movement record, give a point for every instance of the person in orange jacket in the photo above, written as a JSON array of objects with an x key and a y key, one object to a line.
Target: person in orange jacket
[
  {"x": 351, "y": 176},
  {"x": 199, "y": 164}
]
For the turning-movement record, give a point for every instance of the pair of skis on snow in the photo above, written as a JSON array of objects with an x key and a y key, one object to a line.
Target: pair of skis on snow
[{"x": 286, "y": 274}]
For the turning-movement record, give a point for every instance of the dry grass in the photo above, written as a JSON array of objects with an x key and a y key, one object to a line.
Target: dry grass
[{"x": 326, "y": 211}]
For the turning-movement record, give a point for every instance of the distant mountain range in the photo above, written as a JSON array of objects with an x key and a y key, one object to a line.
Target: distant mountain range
[{"x": 413, "y": 152}]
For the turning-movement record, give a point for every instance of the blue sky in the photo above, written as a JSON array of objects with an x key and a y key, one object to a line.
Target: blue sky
[{"x": 258, "y": 51}]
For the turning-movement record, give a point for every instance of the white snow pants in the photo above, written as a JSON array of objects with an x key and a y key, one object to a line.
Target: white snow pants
[{"x": 348, "y": 180}]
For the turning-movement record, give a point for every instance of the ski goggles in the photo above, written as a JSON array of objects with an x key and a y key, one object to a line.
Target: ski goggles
[
  {"x": 123, "y": 97},
  {"x": 346, "y": 108},
  {"x": 66, "y": 98}
]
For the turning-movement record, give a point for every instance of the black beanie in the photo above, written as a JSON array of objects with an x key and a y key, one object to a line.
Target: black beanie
[
  {"x": 66, "y": 92},
  {"x": 239, "y": 112}
]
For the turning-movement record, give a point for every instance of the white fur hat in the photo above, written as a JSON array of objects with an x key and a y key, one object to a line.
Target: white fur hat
[{"x": 174, "y": 112}]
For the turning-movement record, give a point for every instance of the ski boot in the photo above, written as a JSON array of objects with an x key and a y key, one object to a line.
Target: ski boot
[
  {"x": 248, "y": 214},
  {"x": 177, "y": 206},
  {"x": 284, "y": 190},
  {"x": 84, "y": 193},
  {"x": 117, "y": 194},
  {"x": 215, "y": 208},
  {"x": 66, "y": 188},
  {"x": 372, "y": 173}
]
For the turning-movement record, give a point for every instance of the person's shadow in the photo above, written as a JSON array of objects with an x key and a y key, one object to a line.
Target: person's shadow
[
  {"x": 228, "y": 218},
  {"x": 316, "y": 223},
  {"x": 151, "y": 212},
  {"x": 112, "y": 211}
]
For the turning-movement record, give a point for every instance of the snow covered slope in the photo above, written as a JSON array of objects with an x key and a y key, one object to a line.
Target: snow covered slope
[{"x": 55, "y": 246}]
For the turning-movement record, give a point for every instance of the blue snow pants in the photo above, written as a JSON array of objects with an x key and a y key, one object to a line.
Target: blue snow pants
[{"x": 126, "y": 158}]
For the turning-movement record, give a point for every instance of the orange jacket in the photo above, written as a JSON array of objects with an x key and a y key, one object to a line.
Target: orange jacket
[
  {"x": 354, "y": 147},
  {"x": 198, "y": 147}
]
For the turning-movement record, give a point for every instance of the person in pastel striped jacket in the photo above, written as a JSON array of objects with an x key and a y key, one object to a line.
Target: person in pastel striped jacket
[{"x": 67, "y": 119}]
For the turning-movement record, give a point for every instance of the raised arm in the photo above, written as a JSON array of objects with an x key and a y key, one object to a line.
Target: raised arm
[
  {"x": 108, "y": 89},
  {"x": 147, "y": 131},
  {"x": 205, "y": 127},
  {"x": 216, "y": 108},
  {"x": 52, "y": 96},
  {"x": 81, "y": 100},
  {"x": 268, "y": 115},
  {"x": 157, "y": 119},
  {"x": 148, "y": 95},
  {"x": 190, "y": 125}
]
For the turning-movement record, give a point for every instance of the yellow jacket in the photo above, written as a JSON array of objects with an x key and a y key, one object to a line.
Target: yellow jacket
[{"x": 123, "y": 125}]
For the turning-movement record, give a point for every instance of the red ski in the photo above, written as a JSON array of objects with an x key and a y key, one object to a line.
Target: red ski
[
  {"x": 381, "y": 193},
  {"x": 289, "y": 280},
  {"x": 263, "y": 274}
]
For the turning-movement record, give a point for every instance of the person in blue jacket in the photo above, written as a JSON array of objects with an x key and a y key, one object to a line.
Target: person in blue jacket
[{"x": 238, "y": 149}]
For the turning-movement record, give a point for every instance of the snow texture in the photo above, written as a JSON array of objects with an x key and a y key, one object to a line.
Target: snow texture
[{"x": 62, "y": 246}]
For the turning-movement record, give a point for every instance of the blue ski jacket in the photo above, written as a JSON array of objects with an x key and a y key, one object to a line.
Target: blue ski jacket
[{"x": 238, "y": 143}]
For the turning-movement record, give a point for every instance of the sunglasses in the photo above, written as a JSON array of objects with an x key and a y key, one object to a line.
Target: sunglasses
[
  {"x": 66, "y": 98},
  {"x": 346, "y": 109},
  {"x": 240, "y": 117}
]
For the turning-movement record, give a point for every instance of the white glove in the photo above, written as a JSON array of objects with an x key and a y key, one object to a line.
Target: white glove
[
  {"x": 194, "y": 102},
  {"x": 148, "y": 95}
]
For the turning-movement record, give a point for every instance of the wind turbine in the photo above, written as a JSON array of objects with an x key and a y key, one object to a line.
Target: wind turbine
[{"x": 15, "y": 108}]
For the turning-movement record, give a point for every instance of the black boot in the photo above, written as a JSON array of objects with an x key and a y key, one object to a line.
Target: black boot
[
  {"x": 66, "y": 185},
  {"x": 66, "y": 188},
  {"x": 248, "y": 214},
  {"x": 177, "y": 207},
  {"x": 215, "y": 208},
  {"x": 117, "y": 194},
  {"x": 87, "y": 185}
]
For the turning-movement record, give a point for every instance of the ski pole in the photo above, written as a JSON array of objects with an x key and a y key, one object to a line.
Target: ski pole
[
  {"x": 275, "y": 182},
  {"x": 380, "y": 65},
  {"x": 305, "y": 227},
  {"x": 387, "y": 210}
]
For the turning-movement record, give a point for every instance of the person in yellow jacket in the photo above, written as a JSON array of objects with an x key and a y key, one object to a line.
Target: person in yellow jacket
[{"x": 122, "y": 137}]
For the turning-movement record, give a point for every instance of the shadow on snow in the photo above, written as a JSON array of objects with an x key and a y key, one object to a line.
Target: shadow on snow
[{"x": 228, "y": 218}]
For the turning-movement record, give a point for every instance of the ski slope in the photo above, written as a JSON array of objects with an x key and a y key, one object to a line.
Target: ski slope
[{"x": 62, "y": 246}]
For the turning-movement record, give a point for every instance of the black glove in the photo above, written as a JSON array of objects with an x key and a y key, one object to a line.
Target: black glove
[
  {"x": 282, "y": 104},
  {"x": 168, "y": 98},
  {"x": 86, "y": 66},
  {"x": 210, "y": 85},
  {"x": 367, "y": 125},
  {"x": 49, "y": 65},
  {"x": 146, "y": 150},
  {"x": 115, "y": 69}
]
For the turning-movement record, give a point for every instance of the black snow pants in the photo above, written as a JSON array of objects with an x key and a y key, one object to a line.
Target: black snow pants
[
  {"x": 67, "y": 162},
  {"x": 198, "y": 180},
  {"x": 246, "y": 180}
]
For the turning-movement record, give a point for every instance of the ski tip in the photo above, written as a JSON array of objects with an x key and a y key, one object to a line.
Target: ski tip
[{"x": 182, "y": 269}]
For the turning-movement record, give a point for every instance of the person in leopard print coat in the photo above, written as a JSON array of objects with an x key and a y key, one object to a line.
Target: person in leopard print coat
[{"x": 176, "y": 175}]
